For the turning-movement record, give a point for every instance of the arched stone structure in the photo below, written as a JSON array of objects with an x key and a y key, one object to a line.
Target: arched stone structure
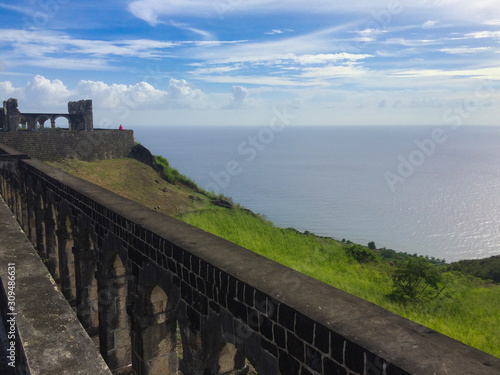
[
  {"x": 154, "y": 323},
  {"x": 66, "y": 242},
  {"x": 51, "y": 241},
  {"x": 114, "y": 321},
  {"x": 41, "y": 241},
  {"x": 79, "y": 117},
  {"x": 85, "y": 254},
  {"x": 152, "y": 274}
]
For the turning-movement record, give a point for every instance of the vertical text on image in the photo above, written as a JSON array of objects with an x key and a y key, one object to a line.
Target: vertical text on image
[{"x": 11, "y": 321}]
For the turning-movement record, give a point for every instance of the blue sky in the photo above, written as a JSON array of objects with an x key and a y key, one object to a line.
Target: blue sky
[{"x": 233, "y": 62}]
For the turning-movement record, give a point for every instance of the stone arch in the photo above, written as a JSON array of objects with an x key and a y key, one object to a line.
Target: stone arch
[
  {"x": 40, "y": 120},
  {"x": 21, "y": 209},
  {"x": 53, "y": 120},
  {"x": 2, "y": 183},
  {"x": 7, "y": 192},
  {"x": 13, "y": 186},
  {"x": 155, "y": 323},
  {"x": 230, "y": 348},
  {"x": 17, "y": 206},
  {"x": 231, "y": 360},
  {"x": 85, "y": 253},
  {"x": 66, "y": 242},
  {"x": 21, "y": 122},
  {"x": 5, "y": 186},
  {"x": 52, "y": 241},
  {"x": 41, "y": 241},
  {"x": 114, "y": 322},
  {"x": 30, "y": 202},
  {"x": 159, "y": 339}
]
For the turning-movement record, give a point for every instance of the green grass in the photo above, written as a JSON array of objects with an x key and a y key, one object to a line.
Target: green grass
[
  {"x": 468, "y": 309},
  {"x": 172, "y": 175},
  {"x": 139, "y": 182}
]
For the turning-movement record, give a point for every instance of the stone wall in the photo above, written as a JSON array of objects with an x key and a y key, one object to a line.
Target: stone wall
[
  {"x": 37, "y": 315},
  {"x": 59, "y": 144},
  {"x": 138, "y": 280}
]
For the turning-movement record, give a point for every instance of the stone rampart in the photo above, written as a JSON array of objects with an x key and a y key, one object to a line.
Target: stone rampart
[
  {"x": 59, "y": 144},
  {"x": 41, "y": 334},
  {"x": 139, "y": 280}
]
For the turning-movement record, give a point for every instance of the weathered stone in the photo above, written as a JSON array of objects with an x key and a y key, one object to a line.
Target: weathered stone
[{"x": 223, "y": 297}]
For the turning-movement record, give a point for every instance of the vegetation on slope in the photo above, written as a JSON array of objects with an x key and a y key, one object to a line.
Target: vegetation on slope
[
  {"x": 466, "y": 309},
  {"x": 487, "y": 268},
  {"x": 138, "y": 182}
]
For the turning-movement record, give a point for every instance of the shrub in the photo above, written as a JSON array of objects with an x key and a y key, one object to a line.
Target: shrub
[
  {"x": 360, "y": 253},
  {"x": 416, "y": 280},
  {"x": 487, "y": 268},
  {"x": 172, "y": 175}
]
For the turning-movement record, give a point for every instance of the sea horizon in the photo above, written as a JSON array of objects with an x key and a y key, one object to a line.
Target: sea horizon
[{"x": 419, "y": 189}]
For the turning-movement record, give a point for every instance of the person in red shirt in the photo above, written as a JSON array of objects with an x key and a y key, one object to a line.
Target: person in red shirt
[{"x": 121, "y": 127}]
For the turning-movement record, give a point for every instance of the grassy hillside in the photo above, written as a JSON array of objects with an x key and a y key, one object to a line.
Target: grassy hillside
[
  {"x": 138, "y": 182},
  {"x": 467, "y": 309}
]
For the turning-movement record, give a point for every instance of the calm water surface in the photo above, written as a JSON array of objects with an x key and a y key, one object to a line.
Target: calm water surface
[{"x": 430, "y": 190}]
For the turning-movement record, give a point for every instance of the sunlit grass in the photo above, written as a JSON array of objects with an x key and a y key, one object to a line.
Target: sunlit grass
[{"x": 468, "y": 309}]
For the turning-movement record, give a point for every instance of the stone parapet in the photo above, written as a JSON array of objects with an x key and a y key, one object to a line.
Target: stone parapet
[
  {"x": 153, "y": 280},
  {"x": 61, "y": 144},
  {"x": 49, "y": 338}
]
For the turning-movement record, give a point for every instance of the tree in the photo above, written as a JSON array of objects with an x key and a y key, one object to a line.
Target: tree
[
  {"x": 417, "y": 279},
  {"x": 371, "y": 245},
  {"x": 360, "y": 253}
]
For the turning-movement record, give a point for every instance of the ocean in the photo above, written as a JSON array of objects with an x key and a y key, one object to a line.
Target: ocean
[{"x": 429, "y": 190}]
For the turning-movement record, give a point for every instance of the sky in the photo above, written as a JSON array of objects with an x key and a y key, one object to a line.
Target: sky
[{"x": 239, "y": 62}]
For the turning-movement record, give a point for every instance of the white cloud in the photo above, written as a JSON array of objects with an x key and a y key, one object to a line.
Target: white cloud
[
  {"x": 65, "y": 63},
  {"x": 464, "y": 50},
  {"x": 180, "y": 89},
  {"x": 369, "y": 35},
  {"x": 8, "y": 90},
  {"x": 278, "y": 31},
  {"x": 259, "y": 80},
  {"x": 42, "y": 42},
  {"x": 484, "y": 73},
  {"x": 58, "y": 50},
  {"x": 429, "y": 24},
  {"x": 484, "y": 34},
  {"x": 140, "y": 95},
  {"x": 340, "y": 71},
  {"x": 214, "y": 70},
  {"x": 152, "y": 11},
  {"x": 181, "y": 103},
  {"x": 45, "y": 92},
  {"x": 203, "y": 33},
  {"x": 313, "y": 46},
  {"x": 239, "y": 97},
  {"x": 50, "y": 95},
  {"x": 328, "y": 58}
]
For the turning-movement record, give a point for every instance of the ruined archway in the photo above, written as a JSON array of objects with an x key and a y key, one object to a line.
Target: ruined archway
[
  {"x": 85, "y": 253},
  {"x": 156, "y": 331},
  {"x": 30, "y": 203},
  {"x": 52, "y": 242},
  {"x": 41, "y": 242},
  {"x": 66, "y": 241},
  {"x": 61, "y": 122},
  {"x": 114, "y": 322},
  {"x": 40, "y": 122}
]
